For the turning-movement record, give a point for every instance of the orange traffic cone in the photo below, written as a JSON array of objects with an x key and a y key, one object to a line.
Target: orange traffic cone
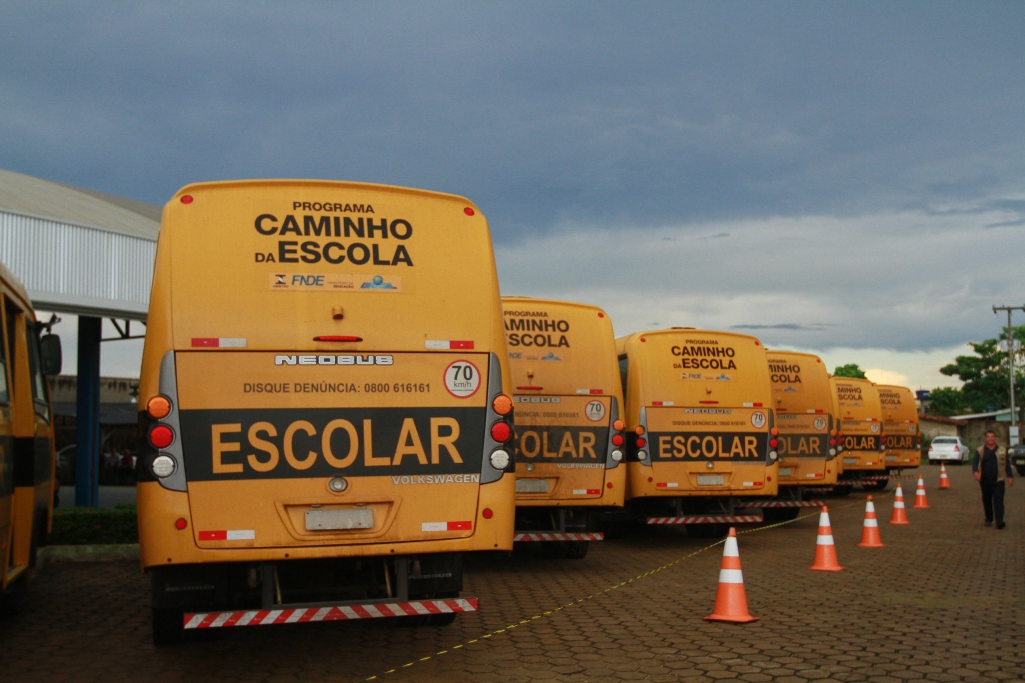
[
  {"x": 870, "y": 531},
  {"x": 920, "y": 501},
  {"x": 944, "y": 480},
  {"x": 899, "y": 515},
  {"x": 825, "y": 551},
  {"x": 730, "y": 599}
]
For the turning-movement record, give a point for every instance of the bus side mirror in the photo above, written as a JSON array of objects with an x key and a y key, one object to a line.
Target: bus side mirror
[{"x": 50, "y": 357}]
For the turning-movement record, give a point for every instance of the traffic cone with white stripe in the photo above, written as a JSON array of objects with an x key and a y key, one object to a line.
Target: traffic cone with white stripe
[
  {"x": 730, "y": 599},
  {"x": 920, "y": 501},
  {"x": 899, "y": 515},
  {"x": 944, "y": 480},
  {"x": 825, "y": 550},
  {"x": 870, "y": 531}
]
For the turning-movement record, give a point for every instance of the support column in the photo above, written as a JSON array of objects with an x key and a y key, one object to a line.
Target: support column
[{"x": 87, "y": 414}]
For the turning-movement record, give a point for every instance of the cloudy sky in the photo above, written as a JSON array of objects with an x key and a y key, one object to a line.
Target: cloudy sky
[{"x": 845, "y": 178}]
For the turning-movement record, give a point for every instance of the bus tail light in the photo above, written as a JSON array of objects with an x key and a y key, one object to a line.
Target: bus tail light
[
  {"x": 163, "y": 466},
  {"x": 500, "y": 432},
  {"x": 617, "y": 439},
  {"x": 619, "y": 425},
  {"x": 774, "y": 431},
  {"x": 773, "y": 443},
  {"x": 499, "y": 459},
  {"x": 158, "y": 407},
  {"x": 161, "y": 436},
  {"x": 488, "y": 513},
  {"x": 181, "y": 523},
  {"x": 639, "y": 430},
  {"x": 641, "y": 443},
  {"x": 502, "y": 404}
]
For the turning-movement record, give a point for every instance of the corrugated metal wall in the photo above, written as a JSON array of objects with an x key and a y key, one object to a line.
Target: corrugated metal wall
[{"x": 87, "y": 267}]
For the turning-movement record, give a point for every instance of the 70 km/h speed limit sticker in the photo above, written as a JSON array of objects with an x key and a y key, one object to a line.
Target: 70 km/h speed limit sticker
[{"x": 462, "y": 379}]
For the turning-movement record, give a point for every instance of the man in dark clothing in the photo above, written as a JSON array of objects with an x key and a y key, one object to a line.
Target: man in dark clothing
[{"x": 991, "y": 468}]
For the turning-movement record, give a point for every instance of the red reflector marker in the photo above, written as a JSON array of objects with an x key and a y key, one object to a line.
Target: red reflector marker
[
  {"x": 180, "y": 523},
  {"x": 468, "y": 211},
  {"x": 500, "y": 432},
  {"x": 488, "y": 514},
  {"x": 161, "y": 436},
  {"x": 213, "y": 535},
  {"x": 593, "y": 492},
  {"x": 337, "y": 338},
  {"x": 460, "y": 526},
  {"x": 530, "y": 387},
  {"x": 186, "y": 199}
]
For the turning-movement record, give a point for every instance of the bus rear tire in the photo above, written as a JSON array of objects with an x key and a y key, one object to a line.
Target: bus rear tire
[
  {"x": 843, "y": 489},
  {"x": 876, "y": 485},
  {"x": 168, "y": 626}
]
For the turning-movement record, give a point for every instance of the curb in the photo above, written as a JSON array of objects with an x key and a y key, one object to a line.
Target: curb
[{"x": 88, "y": 553}]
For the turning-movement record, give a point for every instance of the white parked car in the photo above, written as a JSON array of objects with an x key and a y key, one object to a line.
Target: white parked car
[{"x": 949, "y": 449}]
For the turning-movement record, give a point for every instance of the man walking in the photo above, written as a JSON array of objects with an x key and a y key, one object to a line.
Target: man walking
[{"x": 991, "y": 468}]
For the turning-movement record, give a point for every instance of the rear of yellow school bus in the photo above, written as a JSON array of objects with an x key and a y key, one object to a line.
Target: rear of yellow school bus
[
  {"x": 569, "y": 432},
  {"x": 700, "y": 426},
  {"x": 326, "y": 419},
  {"x": 900, "y": 426},
  {"x": 808, "y": 430},
  {"x": 27, "y": 460},
  {"x": 861, "y": 424}
]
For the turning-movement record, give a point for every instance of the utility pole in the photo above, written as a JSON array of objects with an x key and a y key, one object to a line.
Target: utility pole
[{"x": 1010, "y": 364}]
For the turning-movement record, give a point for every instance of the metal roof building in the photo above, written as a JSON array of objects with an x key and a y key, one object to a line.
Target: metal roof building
[
  {"x": 82, "y": 252},
  {"x": 77, "y": 250}
]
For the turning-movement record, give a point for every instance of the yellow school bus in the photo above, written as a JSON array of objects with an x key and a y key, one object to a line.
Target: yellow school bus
[
  {"x": 700, "y": 421},
  {"x": 326, "y": 413},
  {"x": 807, "y": 426},
  {"x": 862, "y": 441},
  {"x": 569, "y": 433},
  {"x": 27, "y": 459},
  {"x": 900, "y": 426}
]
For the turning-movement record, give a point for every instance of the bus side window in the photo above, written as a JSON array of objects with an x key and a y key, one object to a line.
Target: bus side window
[
  {"x": 39, "y": 394},
  {"x": 622, "y": 370},
  {"x": 5, "y": 395}
]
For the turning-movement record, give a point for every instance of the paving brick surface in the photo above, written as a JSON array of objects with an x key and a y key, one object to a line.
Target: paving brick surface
[{"x": 943, "y": 601}]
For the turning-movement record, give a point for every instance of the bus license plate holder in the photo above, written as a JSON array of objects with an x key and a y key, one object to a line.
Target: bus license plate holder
[
  {"x": 345, "y": 519},
  {"x": 850, "y": 461},
  {"x": 786, "y": 472},
  {"x": 711, "y": 480},
  {"x": 531, "y": 486}
]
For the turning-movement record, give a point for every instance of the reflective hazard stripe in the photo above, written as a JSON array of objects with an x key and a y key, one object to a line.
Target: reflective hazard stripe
[
  {"x": 219, "y": 342},
  {"x": 731, "y": 576},
  {"x": 707, "y": 519},
  {"x": 447, "y": 344},
  {"x": 521, "y": 537},
  {"x": 327, "y": 613},
  {"x": 446, "y": 526}
]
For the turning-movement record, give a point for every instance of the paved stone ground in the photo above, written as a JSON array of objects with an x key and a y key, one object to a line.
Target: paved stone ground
[{"x": 944, "y": 601}]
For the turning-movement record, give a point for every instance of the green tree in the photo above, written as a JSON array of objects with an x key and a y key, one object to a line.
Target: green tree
[
  {"x": 985, "y": 376},
  {"x": 948, "y": 401},
  {"x": 849, "y": 370}
]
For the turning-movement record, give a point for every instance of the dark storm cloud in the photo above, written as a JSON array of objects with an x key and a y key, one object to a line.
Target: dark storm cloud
[{"x": 545, "y": 114}]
